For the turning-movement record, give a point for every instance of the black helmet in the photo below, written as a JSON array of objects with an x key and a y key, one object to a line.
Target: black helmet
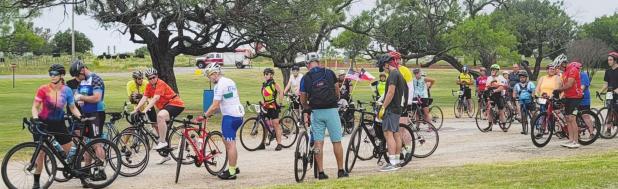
[
  {"x": 523, "y": 73},
  {"x": 137, "y": 74},
  {"x": 295, "y": 68},
  {"x": 57, "y": 67},
  {"x": 76, "y": 68},
  {"x": 269, "y": 70},
  {"x": 383, "y": 59}
]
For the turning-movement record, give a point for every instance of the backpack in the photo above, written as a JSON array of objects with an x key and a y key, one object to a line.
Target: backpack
[
  {"x": 523, "y": 89},
  {"x": 321, "y": 90}
]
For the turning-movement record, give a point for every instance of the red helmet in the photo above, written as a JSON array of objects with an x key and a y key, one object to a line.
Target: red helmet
[{"x": 613, "y": 54}]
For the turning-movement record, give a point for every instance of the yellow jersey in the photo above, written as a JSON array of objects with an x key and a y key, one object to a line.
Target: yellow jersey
[
  {"x": 132, "y": 87},
  {"x": 405, "y": 72},
  {"x": 466, "y": 79}
]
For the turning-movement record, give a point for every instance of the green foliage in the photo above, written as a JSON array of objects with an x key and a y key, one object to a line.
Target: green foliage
[
  {"x": 352, "y": 42},
  {"x": 142, "y": 51},
  {"x": 604, "y": 28},
  {"x": 62, "y": 42},
  {"x": 22, "y": 39}
]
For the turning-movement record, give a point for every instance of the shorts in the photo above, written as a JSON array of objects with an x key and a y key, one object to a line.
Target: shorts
[
  {"x": 426, "y": 102},
  {"x": 272, "y": 113},
  {"x": 152, "y": 115},
  {"x": 498, "y": 100},
  {"x": 94, "y": 128},
  {"x": 229, "y": 126},
  {"x": 583, "y": 107},
  {"x": 390, "y": 122},
  {"x": 467, "y": 92},
  {"x": 173, "y": 110},
  {"x": 570, "y": 105},
  {"x": 322, "y": 119},
  {"x": 56, "y": 127}
]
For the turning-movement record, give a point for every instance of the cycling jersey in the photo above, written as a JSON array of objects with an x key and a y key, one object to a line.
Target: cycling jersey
[
  {"x": 227, "y": 93},
  {"x": 585, "y": 82},
  {"x": 168, "y": 96},
  {"x": 572, "y": 72},
  {"x": 405, "y": 73},
  {"x": 381, "y": 87},
  {"x": 269, "y": 92},
  {"x": 295, "y": 84},
  {"x": 465, "y": 79},
  {"x": 481, "y": 82},
  {"x": 132, "y": 87},
  {"x": 420, "y": 88},
  {"x": 53, "y": 102},
  {"x": 92, "y": 84}
]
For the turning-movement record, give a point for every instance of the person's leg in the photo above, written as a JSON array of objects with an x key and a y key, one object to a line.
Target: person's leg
[
  {"x": 278, "y": 130},
  {"x": 318, "y": 128},
  {"x": 398, "y": 143},
  {"x": 99, "y": 122},
  {"x": 335, "y": 132},
  {"x": 162, "y": 117}
]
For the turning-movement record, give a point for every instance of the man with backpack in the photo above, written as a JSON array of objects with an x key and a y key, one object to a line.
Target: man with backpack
[
  {"x": 319, "y": 95},
  {"x": 523, "y": 91}
]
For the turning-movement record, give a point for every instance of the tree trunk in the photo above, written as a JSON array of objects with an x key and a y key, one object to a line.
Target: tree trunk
[
  {"x": 285, "y": 67},
  {"x": 537, "y": 64},
  {"x": 163, "y": 62}
]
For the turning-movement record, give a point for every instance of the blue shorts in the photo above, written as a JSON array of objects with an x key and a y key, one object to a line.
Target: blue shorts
[
  {"x": 229, "y": 126},
  {"x": 322, "y": 119}
]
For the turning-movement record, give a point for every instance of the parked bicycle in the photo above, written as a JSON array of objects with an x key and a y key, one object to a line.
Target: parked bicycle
[
  {"x": 461, "y": 105},
  {"x": 304, "y": 154},
  {"x": 257, "y": 131},
  {"x": 611, "y": 131},
  {"x": 426, "y": 135},
  {"x": 481, "y": 117}
]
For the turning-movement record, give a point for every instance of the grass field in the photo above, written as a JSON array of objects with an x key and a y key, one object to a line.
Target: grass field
[
  {"x": 16, "y": 102},
  {"x": 588, "y": 171}
]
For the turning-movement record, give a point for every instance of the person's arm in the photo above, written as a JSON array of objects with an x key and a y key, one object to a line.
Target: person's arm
[
  {"x": 604, "y": 87},
  {"x": 140, "y": 103},
  {"x": 279, "y": 92},
  {"x": 388, "y": 97},
  {"x": 75, "y": 111},
  {"x": 35, "y": 109},
  {"x": 303, "y": 101},
  {"x": 538, "y": 89},
  {"x": 214, "y": 107},
  {"x": 287, "y": 87},
  {"x": 152, "y": 102},
  {"x": 569, "y": 83},
  {"x": 96, "y": 97}
]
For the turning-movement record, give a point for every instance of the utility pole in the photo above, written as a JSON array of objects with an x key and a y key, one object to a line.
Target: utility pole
[{"x": 73, "y": 32}]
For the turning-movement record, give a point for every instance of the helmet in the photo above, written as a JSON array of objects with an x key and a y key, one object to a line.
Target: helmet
[
  {"x": 464, "y": 68},
  {"x": 150, "y": 71},
  {"x": 495, "y": 67},
  {"x": 505, "y": 72},
  {"x": 383, "y": 59},
  {"x": 137, "y": 74},
  {"x": 523, "y": 73},
  {"x": 269, "y": 71},
  {"x": 613, "y": 54},
  {"x": 342, "y": 72},
  {"x": 416, "y": 70},
  {"x": 295, "y": 68},
  {"x": 212, "y": 68},
  {"x": 76, "y": 68},
  {"x": 558, "y": 60},
  {"x": 57, "y": 67},
  {"x": 382, "y": 74}
]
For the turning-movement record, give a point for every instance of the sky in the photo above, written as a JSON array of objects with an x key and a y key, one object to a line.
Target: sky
[{"x": 582, "y": 11}]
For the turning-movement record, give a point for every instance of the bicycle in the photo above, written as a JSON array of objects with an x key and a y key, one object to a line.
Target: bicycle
[
  {"x": 346, "y": 116},
  {"x": 552, "y": 121},
  {"x": 289, "y": 110},
  {"x": 253, "y": 130},
  {"x": 368, "y": 135},
  {"x": 606, "y": 110},
  {"x": 493, "y": 110},
  {"x": 89, "y": 172},
  {"x": 209, "y": 146},
  {"x": 527, "y": 113},
  {"x": 426, "y": 135},
  {"x": 461, "y": 104},
  {"x": 304, "y": 155}
]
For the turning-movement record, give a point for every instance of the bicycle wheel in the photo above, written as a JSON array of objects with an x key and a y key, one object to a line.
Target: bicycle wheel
[
  {"x": 59, "y": 176},
  {"x": 481, "y": 121},
  {"x": 589, "y": 127},
  {"x": 407, "y": 146},
  {"x": 541, "y": 130},
  {"x": 524, "y": 122},
  {"x": 215, "y": 153},
  {"x": 458, "y": 108},
  {"x": 134, "y": 152},
  {"x": 365, "y": 145},
  {"x": 426, "y": 139},
  {"x": 470, "y": 111},
  {"x": 352, "y": 150},
  {"x": 510, "y": 117},
  {"x": 301, "y": 156},
  {"x": 183, "y": 145},
  {"x": 437, "y": 117},
  {"x": 99, "y": 165},
  {"x": 602, "y": 113},
  {"x": 174, "y": 140},
  {"x": 608, "y": 132},
  {"x": 252, "y": 134},
  {"x": 14, "y": 166},
  {"x": 289, "y": 130}
]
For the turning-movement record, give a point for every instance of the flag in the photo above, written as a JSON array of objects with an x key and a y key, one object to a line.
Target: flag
[
  {"x": 366, "y": 76},
  {"x": 352, "y": 75}
]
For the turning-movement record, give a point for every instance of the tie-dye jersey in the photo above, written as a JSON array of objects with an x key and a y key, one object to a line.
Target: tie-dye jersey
[{"x": 53, "y": 102}]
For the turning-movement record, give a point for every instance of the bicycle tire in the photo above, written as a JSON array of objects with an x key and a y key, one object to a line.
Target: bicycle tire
[
  {"x": 57, "y": 177},
  {"x": 613, "y": 127},
  {"x": 181, "y": 150},
  {"x": 136, "y": 146},
  {"x": 602, "y": 113},
  {"x": 540, "y": 127},
  {"x": 425, "y": 135},
  {"x": 177, "y": 133},
  {"x": 524, "y": 123},
  {"x": 437, "y": 118},
  {"x": 365, "y": 146},
  {"x": 456, "y": 108},
  {"x": 350, "y": 161},
  {"x": 300, "y": 157},
  {"x": 594, "y": 134},
  {"x": 510, "y": 119},
  {"x": 246, "y": 133},
  {"x": 405, "y": 158},
  {"x": 112, "y": 159},
  {"x": 289, "y": 131},
  {"x": 10, "y": 183},
  {"x": 215, "y": 146},
  {"x": 480, "y": 120}
]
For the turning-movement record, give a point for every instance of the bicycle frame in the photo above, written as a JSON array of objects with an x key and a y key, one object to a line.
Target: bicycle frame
[{"x": 202, "y": 134}]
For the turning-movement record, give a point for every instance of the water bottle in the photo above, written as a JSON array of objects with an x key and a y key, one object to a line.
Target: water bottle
[
  {"x": 193, "y": 139},
  {"x": 199, "y": 144},
  {"x": 72, "y": 152},
  {"x": 57, "y": 146},
  {"x": 104, "y": 135}
]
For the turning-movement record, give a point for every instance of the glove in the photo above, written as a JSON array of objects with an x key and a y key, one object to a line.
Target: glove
[{"x": 381, "y": 113}]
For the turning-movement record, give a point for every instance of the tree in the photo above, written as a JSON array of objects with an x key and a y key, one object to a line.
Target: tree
[
  {"x": 142, "y": 51},
  {"x": 542, "y": 28},
  {"x": 22, "y": 39},
  {"x": 591, "y": 52},
  {"x": 604, "y": 28},
  {"x": 353, "y": 43},
  {"x": 62, "y": 42}
]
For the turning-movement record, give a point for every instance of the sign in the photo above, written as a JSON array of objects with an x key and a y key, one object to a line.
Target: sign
[{"x": 209, "y": 94}]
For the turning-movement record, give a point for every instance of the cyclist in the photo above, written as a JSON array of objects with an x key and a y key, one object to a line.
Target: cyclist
[
  {"x": 497, "y": 87},
  {"x": 135, "y": 92},
  {"x": 547, "y": 84},
  {"x": 586, "y": 100},
  {"x": 572, "y": 93},
  {"x": 464, "y": 80},
  {"x": 292, "y": 87},
  {"x": 513, "y": 78},
  {"x": 48, "y": 109},
  {"x": 227, "y": 100},
  {"x": 319, "y": 95},
  {"x": 421, "y": 88},
  {"x": 380, "y": 85},
  {"x": 169, "y": 104},
  {"x": 345, "y": 86},
  {"x": 611, "y": 85},
  {"x": 481, "y": 86},
  {"x": 523, "y": 91},
  {"x": 270, "y": 93}
]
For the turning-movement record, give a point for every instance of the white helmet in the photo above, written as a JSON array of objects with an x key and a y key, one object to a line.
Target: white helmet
[
  {"x": 558, "y": 60},
  {"x": 212, "y": 68}
]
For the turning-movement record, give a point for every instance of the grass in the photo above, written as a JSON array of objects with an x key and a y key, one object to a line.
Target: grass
[
  {"x": 587, "y": 171},
  {"x": 16, "y": 102}
]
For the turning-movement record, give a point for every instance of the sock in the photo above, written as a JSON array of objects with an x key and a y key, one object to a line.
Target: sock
[
  {"x": 394, "y": 159},
  {"x": 232, "y": 170},
  {"x": 37, "y": 177}
]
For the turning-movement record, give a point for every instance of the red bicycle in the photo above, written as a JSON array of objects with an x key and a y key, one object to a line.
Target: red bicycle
[{"x": 203, "y": 147}]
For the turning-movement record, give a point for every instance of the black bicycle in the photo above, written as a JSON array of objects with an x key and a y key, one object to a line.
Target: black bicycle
[
  {"x": 461, "y": 105},
  {"x": 304, "y": 155},
  {"x": 482, "y": 115},
  {"x": 368, "y": 142},
  {"x": 527, "y": 114},
  {"x": 256, "y": 131},
  {"x": 19, "y": 164},
  {"x": 346, "y": 116},
  {"x": 604, "y": 113}
]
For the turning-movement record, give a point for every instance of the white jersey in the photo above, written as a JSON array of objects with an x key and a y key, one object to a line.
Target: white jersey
[
  {"x": 295, "y": 83},
  {"x": 226, "y": 91},
  {"x": 501, "y": 80}
]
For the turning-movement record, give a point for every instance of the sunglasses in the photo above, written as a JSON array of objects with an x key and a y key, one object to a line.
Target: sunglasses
[
  {"x": 54, "y": 73},
  {"x": 151, "y": 78},
  {"x": 139, "y": 78}
]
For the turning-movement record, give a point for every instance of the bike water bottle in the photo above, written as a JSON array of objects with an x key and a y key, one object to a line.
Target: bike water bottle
[
  {"x": 72, "y": 152},
  {"x": 57, "y": 146},
  {"x": 193, "y": 139},
  {"x": 199, "y": 144},
  {"x": 104, "y": 135}
]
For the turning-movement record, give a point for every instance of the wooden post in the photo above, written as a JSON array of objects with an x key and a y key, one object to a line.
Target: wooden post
[{"x": 13, "y": 68}]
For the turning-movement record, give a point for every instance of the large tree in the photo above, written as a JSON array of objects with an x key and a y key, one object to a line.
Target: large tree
[
  {"x": 22, "y": 38},
  {"x": 591, "y": 52},
  {"x": 62, "y": 42},
  {"x": 604, "y": 28}
]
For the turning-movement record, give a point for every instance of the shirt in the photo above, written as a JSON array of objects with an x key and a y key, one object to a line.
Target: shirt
[
  {"x": 295, "y": 83},
  {"x": 225, "y": 90},
  {"x": 168, "y": 96},
  {"x": 513, "y": 78},
  {"x": 611, "y": 77},
  {"x": 420, "y": 88},
  {"x": 585, "y": 82},
  {"x": 574, "y": 91},
  {"x": 405, "y": 73},
  {"x": 53, "y": 102},
  {"x": 465, "y": 79},
  {"x": 269, "y": 91},
  {"x": 397, "y": 103},
  {"x": 132, "y": 87},
  {"x": 481, "y": 82},
  {"x": 548, "y": 84},
  {"x": 524, "y": 91},
  {"x": 501, "y": 80},
  {"x": 92, "y": 84}
]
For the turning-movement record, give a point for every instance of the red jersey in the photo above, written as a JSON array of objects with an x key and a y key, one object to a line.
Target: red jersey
[
  {"x": 481, "y": 82},
  {"x": 572, "y": 71}
]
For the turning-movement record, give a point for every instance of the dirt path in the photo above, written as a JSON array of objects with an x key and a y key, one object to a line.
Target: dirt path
[{"x": 460, "y": 143}]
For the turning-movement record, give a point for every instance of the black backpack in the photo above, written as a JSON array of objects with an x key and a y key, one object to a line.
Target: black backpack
[{"x": 321, "y": 90}]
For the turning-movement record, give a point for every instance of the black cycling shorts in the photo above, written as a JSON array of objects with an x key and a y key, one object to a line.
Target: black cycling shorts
[
  {"x": 467, "y": 92},
  {"x": 152, "y": 115},
  {"x": 95, "y": 127},
  {"x": 426, "y": 102},
  {"x": 173, "y": 110},
  {"x": 498, "y": 100},
  {"x": 272, "y": 113},
  {"x": 570, "y": 105},
  {"x": 583, "y": 107},
  {"x": 55, "y": 127}
]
